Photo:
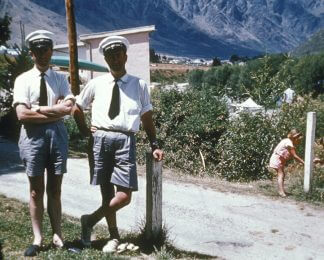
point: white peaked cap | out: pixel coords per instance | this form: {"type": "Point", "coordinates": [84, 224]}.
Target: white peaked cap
{"type": "Point", "coordinates": [112, 40]}
{"type": "Point", "coordinates": [38, 35]}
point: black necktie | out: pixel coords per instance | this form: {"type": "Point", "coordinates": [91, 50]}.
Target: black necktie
{"type": "Point", "coordinates": [114, 105]}
{"type": "Point", "coordinates": [43, 91]}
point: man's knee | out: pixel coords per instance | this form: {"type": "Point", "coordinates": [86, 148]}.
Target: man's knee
{"type": "Point", "coordinates": [37, 193]}
{"type": "Point", "coordinates": [53, 192]}
{"type": "Point", "coordinates": [124, 195]}
{"type": "Point", "coordinates": [127, 199]}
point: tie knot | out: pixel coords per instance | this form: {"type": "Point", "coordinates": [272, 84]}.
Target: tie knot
{"type": "Point", "coordinates": [42, 74]}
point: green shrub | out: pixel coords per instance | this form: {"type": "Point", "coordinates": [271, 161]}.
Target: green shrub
{"type": "Point", "coordinates": [189, 125]}
{"type": "Point", "coordinates": [245, 148]}
{"type": "Point", "coordinates": [195, 78]}
{"type": "Point", "coordinates": [77, 142]}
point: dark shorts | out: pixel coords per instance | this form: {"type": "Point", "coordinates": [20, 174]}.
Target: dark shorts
{"type": "Point", "coordinates": [44, 146]}
{"type": "Point", "coordinates": [115, 159]}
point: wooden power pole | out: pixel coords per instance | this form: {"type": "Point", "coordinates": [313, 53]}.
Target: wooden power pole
{"type": "Point", "coordinates": [72, 36]}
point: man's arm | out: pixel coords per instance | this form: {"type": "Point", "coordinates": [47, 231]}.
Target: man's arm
{"type": "Point", "coordinates": [26, 115]}
{"type": "Point", "coordinates": [62, 108]}
{"type": "Point", "coordinates": [147, 121]}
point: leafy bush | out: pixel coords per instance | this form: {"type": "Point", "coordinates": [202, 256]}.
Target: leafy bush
{"type": "Point", "coordinates": [189, 125]}
{"type": "Point", "coordinates": [9, 70]}
{"type": "Point", "coordinates": [77, 142]}
{"type": "Point", "coordinates": [195, 78]}
{"type": "Point", "coordinates": [308, 73]}
{"type": "Point", "coordinates": [245, 148]}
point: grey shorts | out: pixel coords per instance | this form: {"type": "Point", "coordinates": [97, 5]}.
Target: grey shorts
{"type": "Point", "coordinates": [44, 146]}
{"type": "Point", "coordinates": [115, 159]}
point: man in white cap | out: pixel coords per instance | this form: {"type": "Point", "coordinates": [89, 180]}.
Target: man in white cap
{"type": "Point", "coordinates": [41, 98]}
{"type": "Point", "coordinates": [119, 103]}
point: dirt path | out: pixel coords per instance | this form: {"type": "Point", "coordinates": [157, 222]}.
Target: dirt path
{"type": "Point", "coordinates": [217, 223]}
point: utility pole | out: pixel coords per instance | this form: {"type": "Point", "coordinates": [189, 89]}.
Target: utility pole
{"type": "Point", "coordinates": [22, 33]}
{"type": "Point", "coordinates": [71, 28]}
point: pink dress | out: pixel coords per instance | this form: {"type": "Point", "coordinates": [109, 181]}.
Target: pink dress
{"type": "Point", "coordinates": [281, 154]}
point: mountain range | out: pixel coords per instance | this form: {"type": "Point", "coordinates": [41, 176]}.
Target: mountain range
{"type": "Point", "coordinates": [314, 45]}
{"type": "Point", "coordinates": [190, 28]}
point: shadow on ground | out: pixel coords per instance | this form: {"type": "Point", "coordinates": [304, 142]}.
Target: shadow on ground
{"type": "Point", "coordinates": [10, 162]}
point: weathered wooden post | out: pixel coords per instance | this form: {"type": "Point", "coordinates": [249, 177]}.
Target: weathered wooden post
{"type": "Point", "coordinates": [309, 150]}
{"type": "Point", "coordinates": [153, 197]}
{"type": "Point", "coordinates": [71, 28]}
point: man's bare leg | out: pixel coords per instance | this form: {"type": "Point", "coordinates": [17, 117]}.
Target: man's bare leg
{"type": "Point", "coordinates": [110, 206]}
{"type": "Point", "coordinates": [36, 207]}
{"type": "Point", "coordinates": [54, 206]}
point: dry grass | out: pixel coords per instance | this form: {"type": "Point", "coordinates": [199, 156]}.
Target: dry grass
{"type": "Point", "coordinates": [16, 236]}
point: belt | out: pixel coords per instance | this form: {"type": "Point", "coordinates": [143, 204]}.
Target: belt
{"type": "Point", "coordinates": [114, 130]}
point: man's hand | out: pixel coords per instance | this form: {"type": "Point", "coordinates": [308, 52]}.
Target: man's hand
{"type": "Point", "coordinates": [158, 154]}
{"type": "Point", "coordinates": [60, 109]}
{"type": "Point", "coordinates": [93, 129]}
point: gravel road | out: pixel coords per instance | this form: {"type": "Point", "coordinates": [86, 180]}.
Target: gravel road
{"type": "Point", "coordinates": [220, 224]}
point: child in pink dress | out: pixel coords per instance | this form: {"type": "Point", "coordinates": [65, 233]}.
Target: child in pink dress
{"type": "Point", "coordinates": [284, 151]}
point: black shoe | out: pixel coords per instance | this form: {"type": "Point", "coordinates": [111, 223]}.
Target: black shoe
{"type": "Point", "coordinates": [32, 250]}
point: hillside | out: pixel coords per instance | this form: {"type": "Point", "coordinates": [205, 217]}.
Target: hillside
{"type": "Point", "coordinates": [191, 28]}
{"type": "Point", "coordinates": [314, 45]}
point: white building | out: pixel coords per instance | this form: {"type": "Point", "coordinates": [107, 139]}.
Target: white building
{"type": "Point", "coordinates": [138, 62]}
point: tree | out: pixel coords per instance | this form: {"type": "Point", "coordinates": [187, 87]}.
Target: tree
{"type": "Point", "coordinates": [235, 58]}
{"type": "Point", "coordinates": [216, 62]}
{"type": "Point", "coordinates": [155, 58]}
{"type": "Point", "coordinates": [4, 29]}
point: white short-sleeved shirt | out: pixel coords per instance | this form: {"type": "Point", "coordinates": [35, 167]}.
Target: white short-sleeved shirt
{"type": "Point", "coordinates": [27, 88]}
{"type": "Point", "coordinates": [134, 102]}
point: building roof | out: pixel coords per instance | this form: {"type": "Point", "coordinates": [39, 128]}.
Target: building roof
{"type": "Point", "coordinates": [148, 29]}
{"type": "Point", "coordinates": [66, 45]}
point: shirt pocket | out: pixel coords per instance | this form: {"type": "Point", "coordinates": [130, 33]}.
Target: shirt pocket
{"type": "Point", "coordinates": [132, 107]}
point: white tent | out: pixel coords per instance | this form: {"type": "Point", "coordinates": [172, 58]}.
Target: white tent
{"type": "Point", "coordinates": [249, 103]}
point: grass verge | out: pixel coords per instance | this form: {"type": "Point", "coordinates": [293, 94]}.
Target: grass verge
{"type": "Point", "coordinates": [16, 236]}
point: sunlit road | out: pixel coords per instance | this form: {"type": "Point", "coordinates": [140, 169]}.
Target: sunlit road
{"type": "Point", "coordinates": [227, 225]}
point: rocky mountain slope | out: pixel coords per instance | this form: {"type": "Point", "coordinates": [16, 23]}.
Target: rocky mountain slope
{"type": "Point", "coordinates": [314, 45]}
{"type": "Point", "coordinates": [204, 28]}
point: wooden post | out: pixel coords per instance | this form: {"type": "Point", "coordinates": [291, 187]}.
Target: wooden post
{"type": "Point", "coordinates": [153, 197]}
{"type": "Point", "coordinates": [74, 66]}
{"type": "Point", "coordinates": [309, 150]}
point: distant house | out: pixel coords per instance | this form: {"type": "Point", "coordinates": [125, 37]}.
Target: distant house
{"type": "Point", "coordinates": [138, 62]}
